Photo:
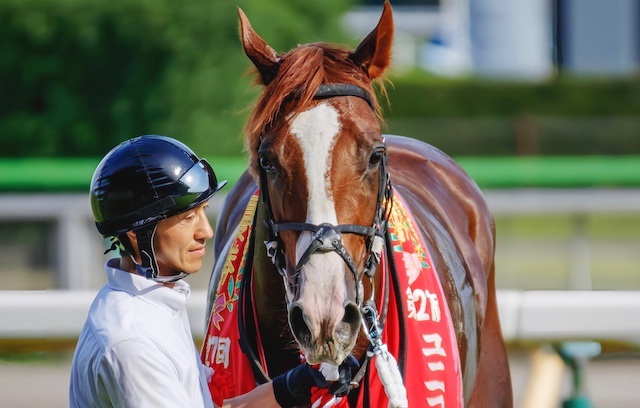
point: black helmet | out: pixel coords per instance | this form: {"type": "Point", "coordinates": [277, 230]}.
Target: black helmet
{"type": "Point", "coordinates": [144, 180]}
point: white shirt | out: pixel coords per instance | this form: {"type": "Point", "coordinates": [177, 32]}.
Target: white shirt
{"type": "Point", "coordinates": [136, 349]}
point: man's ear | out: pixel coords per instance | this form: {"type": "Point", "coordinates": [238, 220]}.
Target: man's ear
{"type": "Point", "coordinates": [133, 244]}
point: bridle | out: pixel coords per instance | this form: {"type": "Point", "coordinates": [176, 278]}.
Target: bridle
{"type": "Point", "coordinates": [327, 237]}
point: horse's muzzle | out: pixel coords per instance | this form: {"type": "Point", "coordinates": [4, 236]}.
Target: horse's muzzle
{"type": "Point", "coordinates": [325, 339]}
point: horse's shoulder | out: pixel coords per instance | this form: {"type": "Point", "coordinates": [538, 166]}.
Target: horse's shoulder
{"type": "Point", "coordinates": [413, 160]}
{"type": "Point", "coordinates": [233, 209]}
{"type": "Point", "coordinates": [438, 191]}
{"type": "Point", "coordinates": [411, 150]}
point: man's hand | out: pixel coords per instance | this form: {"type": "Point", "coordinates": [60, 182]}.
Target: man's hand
{"type": "Point", "coordinates": [342, 386]}
{"type": "Point", "coordinates": [294, 387]}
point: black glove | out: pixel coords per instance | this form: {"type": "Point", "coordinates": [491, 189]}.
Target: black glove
{"type": "Point", "coordinates": [293, 388]}
{"type": "Point", "coordinates": [342, 386]}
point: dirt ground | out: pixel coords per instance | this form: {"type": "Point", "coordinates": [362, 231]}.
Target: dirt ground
{"type": "Point", "coordinates": [611, 383]}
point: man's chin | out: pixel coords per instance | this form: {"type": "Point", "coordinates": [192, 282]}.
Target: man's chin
{"type": "Point", "coordinates": [192, 268]}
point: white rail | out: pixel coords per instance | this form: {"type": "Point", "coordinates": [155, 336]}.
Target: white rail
{"type": "Point", "coordinates": [529, 315]}
{"type": "Point", "coordinates": [77, 243]}
{"type": "Point", "coordinates": [524, 315]}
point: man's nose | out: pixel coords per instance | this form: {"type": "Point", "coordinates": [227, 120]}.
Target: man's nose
{"type": "Point", "coordinates": [204, 231]}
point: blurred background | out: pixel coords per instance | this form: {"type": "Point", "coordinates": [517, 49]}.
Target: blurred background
{"type": "Point", "coordinates": [539, 100]}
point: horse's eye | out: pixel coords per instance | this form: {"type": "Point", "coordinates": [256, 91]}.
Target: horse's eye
{"type": "Point", "coordinates": [266, 164]}
{"type": "Point", "coordinates": [375, 158]}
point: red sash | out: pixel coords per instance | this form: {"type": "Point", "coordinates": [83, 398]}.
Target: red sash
{"type": "Point", "coordinates": [232, 375]}
{"type": "Point", "coordinates": [432, 372]}
{"type": "Point", "coordinates": [432, 369]}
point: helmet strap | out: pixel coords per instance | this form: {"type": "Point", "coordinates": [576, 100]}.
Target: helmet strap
{"type": "Point", "coordinates": [148, 267]}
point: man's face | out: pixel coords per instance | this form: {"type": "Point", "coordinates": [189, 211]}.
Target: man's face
{"type": "Point", "coordinates": [180, 241]}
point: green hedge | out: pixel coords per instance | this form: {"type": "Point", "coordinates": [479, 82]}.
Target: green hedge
{"type": "Point", "coordinates": [79, 76]}
{"type": "Point", "coordinates": [563, 116]}
{"type": "Point", "coordinates": [421, 95]}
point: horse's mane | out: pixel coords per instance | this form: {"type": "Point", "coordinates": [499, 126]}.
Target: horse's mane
{"type": "Point", "coordinates": [302, 70]}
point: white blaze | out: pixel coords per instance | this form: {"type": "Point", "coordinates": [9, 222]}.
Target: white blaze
{"type": "Point", "coordinates": [322, 293]}
{"type": "Point", "coordinates": [316, 130]}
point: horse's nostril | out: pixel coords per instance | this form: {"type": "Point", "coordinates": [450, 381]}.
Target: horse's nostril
{"type": "Point", "coordinates": [298, 325]}
{"type": "Point", "coordinates": [347, 330]}
{"type": "Point", "coordinates": [351, 314]}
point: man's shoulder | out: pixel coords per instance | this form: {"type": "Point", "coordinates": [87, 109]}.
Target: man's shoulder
{"type": "Point", "coordinates": [114, 317]}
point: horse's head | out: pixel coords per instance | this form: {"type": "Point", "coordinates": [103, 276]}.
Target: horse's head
{"type": "Point", "coordinates": [319, 154]}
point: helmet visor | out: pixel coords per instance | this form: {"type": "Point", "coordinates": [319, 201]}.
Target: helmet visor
{"type": "Point", "coordinates": [195, 186]}
{"type": "Point", "coordinates": [199, 183]}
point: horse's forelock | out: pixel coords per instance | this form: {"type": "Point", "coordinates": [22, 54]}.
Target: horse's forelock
{"type": "Point", "coordinates": [302, 71]}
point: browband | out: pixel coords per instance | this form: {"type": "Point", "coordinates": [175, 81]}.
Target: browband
{"type": "Point", "coordinates": [331, 90]}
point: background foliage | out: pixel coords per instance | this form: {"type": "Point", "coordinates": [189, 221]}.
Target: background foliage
{"type": "Point", "coordinates": [79, 76]}
{"type": "Point", "coordinates": [561, 116]}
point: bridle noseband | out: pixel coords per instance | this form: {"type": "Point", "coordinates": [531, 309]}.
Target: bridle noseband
{"type": "Point", "coordinates": [327, 237]}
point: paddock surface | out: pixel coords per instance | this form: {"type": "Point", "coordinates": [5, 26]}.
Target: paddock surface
{"type": "Point", "coordinates": [611, 383]}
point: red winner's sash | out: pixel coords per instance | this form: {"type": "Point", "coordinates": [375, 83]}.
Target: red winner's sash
{"type": "Point", "coordinates": [432, 369]}
{"type": "Point", "coordinates": [232, 375]}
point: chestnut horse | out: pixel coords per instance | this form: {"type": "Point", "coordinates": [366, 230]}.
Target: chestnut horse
{"type": "Point", "coordinates": [325, 172]}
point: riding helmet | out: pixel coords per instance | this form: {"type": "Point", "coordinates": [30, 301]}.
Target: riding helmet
{"type": "Point", "coordinates": [146, 179]}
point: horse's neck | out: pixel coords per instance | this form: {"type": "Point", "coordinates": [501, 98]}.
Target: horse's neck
{"type": "Point", "coordinates": [269, 303]}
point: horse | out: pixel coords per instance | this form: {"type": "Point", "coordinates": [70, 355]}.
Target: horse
{"type": "Point", "coordinates": [323, 178]}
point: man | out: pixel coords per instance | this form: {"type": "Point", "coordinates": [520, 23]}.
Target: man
{"type": "Point", "coordinates": [149, 195]}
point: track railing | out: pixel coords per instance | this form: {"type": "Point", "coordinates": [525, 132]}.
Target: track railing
{"type": "Point", "coordinates": [532, 316]}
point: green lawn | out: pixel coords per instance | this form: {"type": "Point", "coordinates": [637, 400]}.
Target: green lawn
{"type": "Point", "coordinates": [74, 174]}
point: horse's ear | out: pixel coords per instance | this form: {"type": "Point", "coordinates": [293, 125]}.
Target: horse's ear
{"type": "Point", "coordinates": [374, 52]}
{"type": "Point", "coordinates": [259, 52]}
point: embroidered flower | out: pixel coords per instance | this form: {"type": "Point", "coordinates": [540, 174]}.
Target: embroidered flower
{"type": "Point", "coordinates": [218, 306]}
{"type": "Point", "coordinates": [413, 265]}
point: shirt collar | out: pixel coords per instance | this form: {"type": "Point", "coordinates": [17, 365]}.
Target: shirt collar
{"type": "Point", "coordinates": [169, 298]}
